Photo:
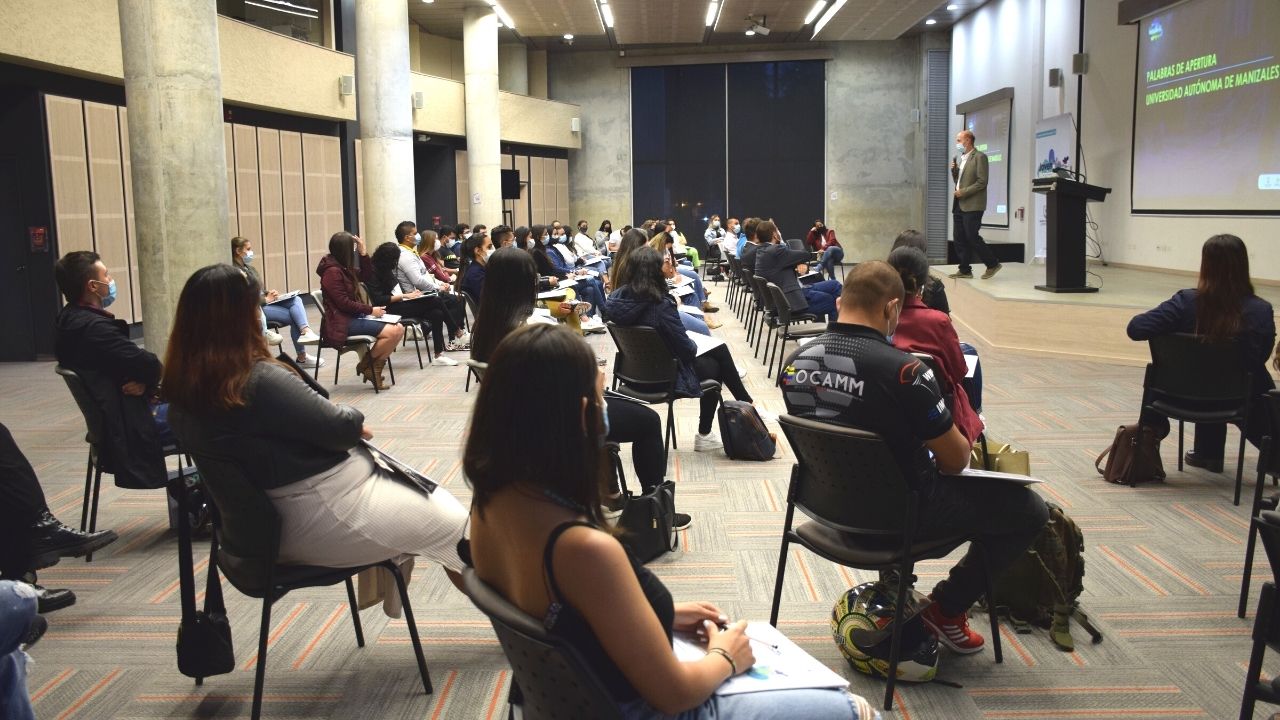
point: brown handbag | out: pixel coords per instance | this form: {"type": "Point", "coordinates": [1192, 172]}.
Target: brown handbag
{"type": "Point", "coordinates": [1134, 457]}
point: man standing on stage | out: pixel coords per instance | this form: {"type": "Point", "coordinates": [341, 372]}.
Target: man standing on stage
{"type": "Point", "coordinates": [970, 176]}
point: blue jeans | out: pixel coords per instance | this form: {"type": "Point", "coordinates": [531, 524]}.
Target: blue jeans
{"type": "Point", "coordinates": [290, 313]}
{"type": "Point", "coordinates": [810, 704]}
{"type": "Point", "coordinates": [693, 323]}
{"type": "Point", "coordinates": [698, 296]}
{"type": "Point", "coordinates": [17, 608]}
{"type": "Point", "coordinates": [821, 297]}
{"type": "Point", "coordinates": [830, 257]}
{"type": "Point", "coordinates": [590, 290]}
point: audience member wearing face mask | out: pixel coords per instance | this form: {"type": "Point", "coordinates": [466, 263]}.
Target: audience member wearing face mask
{"type": "Point", "coordinates": [346, 305]}
{"type": "Point", "coordinates": [290, 312]}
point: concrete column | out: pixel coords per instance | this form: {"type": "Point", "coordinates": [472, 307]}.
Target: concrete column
{"type": "Point", "coordinates": [173, 89]}
{"type": "Point", "coordinates": [384, 104]}
{"type": "Point", "coordinates": [513, 68]}
{"type": "Point", "coordinates": [480, 61]}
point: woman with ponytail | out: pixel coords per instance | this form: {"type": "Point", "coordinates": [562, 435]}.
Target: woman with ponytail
{"type": "Point", "coordinates": [924, 330]}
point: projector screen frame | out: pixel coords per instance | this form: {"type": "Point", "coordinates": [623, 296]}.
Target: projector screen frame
{"type": "Point", "coordinates": [1137, 13]}
{"type": "Point", "coordinates": [982, 102]}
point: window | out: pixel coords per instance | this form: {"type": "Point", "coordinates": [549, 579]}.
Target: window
{"type": "Point", "coordinates": [299, 19]}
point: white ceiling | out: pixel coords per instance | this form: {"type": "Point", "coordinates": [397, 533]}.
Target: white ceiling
{"type": "Point", "coordinates": [667, 22]}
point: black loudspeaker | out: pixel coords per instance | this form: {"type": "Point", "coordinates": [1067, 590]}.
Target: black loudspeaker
{"type": "Point", "coordinates": [510, 184]}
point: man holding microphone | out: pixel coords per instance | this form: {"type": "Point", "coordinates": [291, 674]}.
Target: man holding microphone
{"type": "Point", "coordinates": [969, 172]}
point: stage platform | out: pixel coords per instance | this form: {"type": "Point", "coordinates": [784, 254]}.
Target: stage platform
{"type": "Point", "coordinates": [1008, 312]}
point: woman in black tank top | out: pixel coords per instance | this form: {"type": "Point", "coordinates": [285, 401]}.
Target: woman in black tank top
{"type": "Point", "coordinates": [538, 537]}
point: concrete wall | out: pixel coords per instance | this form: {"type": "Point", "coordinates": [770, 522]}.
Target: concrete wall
{"type": "Point", "coordinates": [1005, 43]}
{"type": "Point", "coordinates": [600, 171]}
{"type": "Point", "coordinates": [439, 56]}
{"type": "Point", "coordinates": [874, 153]}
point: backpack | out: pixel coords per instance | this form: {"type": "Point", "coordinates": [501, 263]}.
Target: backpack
{"type": "Point", "coordinates": [1134, 457]}
{"type": "Point", "coordinates": [1043, 586]}
{"type": "Point", "coordinates": [647, 523]}
{"type": "Point", "coordinates": [743, 432]}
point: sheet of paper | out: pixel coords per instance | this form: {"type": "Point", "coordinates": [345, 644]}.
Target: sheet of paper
{"type": "Point", "coordinates": [681, 291]}
{"type": "Point", "coordinates": [284, 297]}
{"type": "Point", "coordinates": [690, 310]}
{"type": "Point", "coordinates": [387, 318]}
{"type": "Point", "coordinates": [705, 343]}
{"type": "Point", "coordinates": [1007, 477]}
{"type": "Point", "coordinates": [971, 362]}
{"type": "Point", "coordinates": [780, 663]}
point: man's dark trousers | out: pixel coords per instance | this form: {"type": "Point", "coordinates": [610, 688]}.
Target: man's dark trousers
{"type": "Point", "coordinates": [967, 239]}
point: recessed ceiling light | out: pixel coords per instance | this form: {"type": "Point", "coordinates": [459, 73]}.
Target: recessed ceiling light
{"type": "Point", "coordinates": [750, 32]}
{"type": "Point", "coordinates": [952, 7]}
{"type": "Point", "coordinates": [930, 21]}
{"type": "Point", "coordinates": [568, 36]}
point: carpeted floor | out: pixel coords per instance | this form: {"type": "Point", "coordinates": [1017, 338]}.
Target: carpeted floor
{"type": "Point", "coordinates": [1162, 575]}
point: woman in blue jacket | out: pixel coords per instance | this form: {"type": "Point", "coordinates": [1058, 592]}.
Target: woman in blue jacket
{"type": "Point", "coordinates": [1222, 306]}
{"type": "Point", "coordinates": [642, 299]}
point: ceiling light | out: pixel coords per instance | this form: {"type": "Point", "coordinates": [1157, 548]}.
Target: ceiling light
{"type": "Point", "coordinates": [712, 10]}
{"type": "Point", "coordinates": [606, 12]}
{"type": "Point", "coordinates": [428, 1]}
{"type": "Point", "coordinates": [503, 16]}
{"type": "Point", "coordinates": [568, 36]}
{"type": "Point", "coordinates": [818, 7]}
{"type": "Point", "coordinates": [281, 10]}
{"type": "Point", "coordinates": [750, 32]}
{"type": "Point", "coordinates": [952, 7]}
{"type": "Point", "coordinates": [826, 17]}
{"type": "Point", "coordinates": [930, 21]}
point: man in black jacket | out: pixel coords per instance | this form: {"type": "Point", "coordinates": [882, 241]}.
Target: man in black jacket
{"type": "Point", "coordinates": [31, 538]}
{"type": "Point", "coordinates": [121, 376]}
{"type": "Point", "coordinates": [782, 266]}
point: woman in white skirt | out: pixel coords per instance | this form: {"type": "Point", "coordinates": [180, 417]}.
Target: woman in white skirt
{"type": "Point", "coordinates": [337, 507]}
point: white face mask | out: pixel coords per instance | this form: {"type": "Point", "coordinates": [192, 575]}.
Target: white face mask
{"type": "Point", "coordinates": [489, 253]}
{"type": "Point", "coordinates": [417, 239]}
{"type": "Point", "coordinates": [437, 245]}
{"type": "Point", "coordinates": [960, 147]}
{"type": "Point", "coordinates": [466, 235]}
{"type": "Point", "coordinates": [248, 256]}
{"type": "Point", "coordinates": [715, 224]}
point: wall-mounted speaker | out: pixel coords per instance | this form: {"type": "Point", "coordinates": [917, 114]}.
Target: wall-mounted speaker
{"type": "Point", "coordinates": [419, 101]}
{"type": "Point", "coordinates": [510, 184]}
{"type": "Point", "coordinates": [1055, 77]}
{"type": "Point", "coordinates": [575, 124]}
{"type": "Point", "coordinates": [1080, 63]}
{"type": "Point", "coordinates": [347, 85]}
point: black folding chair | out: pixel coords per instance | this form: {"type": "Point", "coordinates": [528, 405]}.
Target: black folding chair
{"type": "Point", "coordinates": [476, 368]}
{"type": "Point", "coordinates": [550, 678]}
{"type": "Point", "coordinates": [645, 369]}
{"type": "Point", "coordinates": [354, 343]}
{"type": "Point", "coordinates": [1268, 464]}
{"type": "Point", "coordinates": [768, 316]}
{"type": "Point", "coordinates": [470, 310]}
{"type": "Point", "coordinates": [95, 433]}
{"type": "Point", "coordinates": [1191, 379]}
{"type": "Point", "coordinates": [783, 319]}
{"type": "Point", "coordinates": [864, 514]}
{"type": "Point", "coordinates": [1266, 628]}
{"type": "Point", "coordinates": [247, 529]}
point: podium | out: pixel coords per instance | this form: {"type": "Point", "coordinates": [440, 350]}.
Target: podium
{"type": "Point", "coordinates": [1065, 232]}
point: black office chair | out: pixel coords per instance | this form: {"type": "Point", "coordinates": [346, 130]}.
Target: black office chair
{"type": "Point", "coordinates": [796, 244]}
{"type": "Point", "coordinates": [1192, 380]}
{"type": "Point", "coordinates": [645, 368]}
{"type": "Point", "coordinates": [734, 292]}
{"type": "Point", "coordinates": [768, 316]}
{"type": "Point", "coordinates": [355, 343]}
{"type": "Point", "coordinates": [1266, 626]}
{"type": "Point", "coordinates": [416, 330]}
{"type": "Point", "coordinates": [247, 529]}
{"type": "Point", "coordinates": [470, 310]}
{"type": "Point", "coordinates": [550, 678]}
{"type": "Point", "coordinates": [95, 433]}
{"type": "Point", "coordinates": [476, 368]}
{"type": "Point", "coordinates": [864, 514]}
{"type": "Point", "coordinates": [783, 318]}
{"type": "Point", "coordinates": [1268, 464]}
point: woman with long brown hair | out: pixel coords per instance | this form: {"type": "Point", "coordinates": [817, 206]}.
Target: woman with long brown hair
{"type": "Point", "coordinates": [347, 310]}
{"type": "Point", "coordinates": [229, 397]}
{"type": "Point", "coordinates": [1222, 306]}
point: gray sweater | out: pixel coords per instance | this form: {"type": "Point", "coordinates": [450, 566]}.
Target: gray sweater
{"type": "Point", "coordinates": [284, 433]}
{"type": "Point", "coordinates": [411, 273]}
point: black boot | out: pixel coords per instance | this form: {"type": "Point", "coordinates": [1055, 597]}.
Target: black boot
{"type": "Point", "coordinates": [1194, 459]}
{"type": "Point", "coordinates": [50, 540]}
{"type": "Point", "coordinates": [49, 599]}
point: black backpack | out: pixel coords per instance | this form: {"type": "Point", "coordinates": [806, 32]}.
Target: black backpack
{"type": "Point", "coordinates": [743, 432]}
{"type": "Point", "coordinates": [1043, 586]}
{"type": "Point", "coordinates": [648, 523]}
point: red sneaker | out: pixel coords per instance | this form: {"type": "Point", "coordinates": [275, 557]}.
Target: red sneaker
{"type": "Point", "coordinates": [952, 631]}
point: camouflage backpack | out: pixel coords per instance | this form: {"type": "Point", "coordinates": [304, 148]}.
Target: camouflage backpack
{"type": "Point", "coordinates": [1043, 586]}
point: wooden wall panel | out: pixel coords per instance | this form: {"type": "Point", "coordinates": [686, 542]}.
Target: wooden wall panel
{"type": "Point", "coordinates": [233, 219]}
{"type": "Point", "coordinates": [129, 227]}
{"type": "Point", "coordinates": [248, 195]}
{"type": "Point", "coordinates": [521, 215]}
{"type": "Point", "coordinates": [562, 193]}
{"type": "Point", "coordinates": [464, 186]}
{"type": "Point", "coordinates": [73, 219]}
{"type": "Point", "coordinates": [313, 183]}
{"type": "Point", "coordinates": [271, 245]}
{"type": "Point", "coordinates": [106, 192]}
{"type": "Point", "coordinates": [334, 218]}
{"type": "Point", "coordinates": [537, 208]}
{"type": "Point", "coordinates": [298, 269]}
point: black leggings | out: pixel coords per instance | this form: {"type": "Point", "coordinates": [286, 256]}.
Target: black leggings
{"type": "Point", "coordinates": [634, 423]}
{"type": "Point", "coordinates": [718, 365]}
{"type": "Point", "coordinates": [435, 311]}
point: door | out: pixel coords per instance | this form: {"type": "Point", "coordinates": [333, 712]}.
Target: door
{"type": "Point", "coordinates": [18, 338]}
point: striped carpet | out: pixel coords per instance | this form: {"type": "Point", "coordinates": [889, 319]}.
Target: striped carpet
{"type": "Point", "coordinates": [1162, 576]}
